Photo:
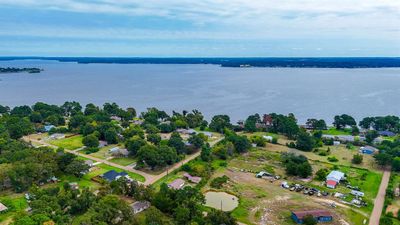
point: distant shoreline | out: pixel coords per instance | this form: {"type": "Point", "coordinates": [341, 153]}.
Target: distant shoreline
{"type": "Point", "coordinates": [307, 62]}
{"type": "Point", "coordinates": [19, 70]}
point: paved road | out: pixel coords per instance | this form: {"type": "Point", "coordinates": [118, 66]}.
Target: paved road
{"type": "Point", "coordinates": [380, 199]}
{"type": "Point", "coordinates": [149, 178]}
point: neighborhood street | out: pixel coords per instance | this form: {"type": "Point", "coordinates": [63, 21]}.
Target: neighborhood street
{"type": "Point", "coordinates": [380, 199]}
{"type": "Point", "coordinates": [149, 178]}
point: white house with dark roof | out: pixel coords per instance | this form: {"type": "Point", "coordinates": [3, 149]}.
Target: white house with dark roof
{"type": "Point", "coordinates": [140, 206]}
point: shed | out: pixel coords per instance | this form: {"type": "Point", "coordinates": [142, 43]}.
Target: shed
{"type": "Point", "coordinates": [3, 207]}
{"type": "Point", "coordinates": [334, 178]}
{"type": "Point", "coordinates": [331, 183]}
{"type": "Point", "coordinates": [319, 214]}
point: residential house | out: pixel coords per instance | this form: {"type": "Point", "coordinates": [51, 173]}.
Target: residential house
{"type": "Point", "coordinates": [119, 152]}
{"type": "Point", "coordinates": [103, 144]}
{"type": "Point", "coordinates": [334, 178]}
{"type": "Point", "coordinates": [74, 185]}
{"type": "Point", "coordinates": [267, 120]}
{"type": "Point", "coordinates": [319, 215]}
{"type": "Point", "coordinates": [89, 162]}
{"type": "Point", "coordinates": [386, 133]}
{"type": "Point", "coordinates": [116, 118]}
{"type": "Point", "coordinates": [3, 208]}
{"type": "Point", "coordinates": [177, 184]}
{"type": "Point", "coordinates": [192, 179]}
{"type": "Point", "coordinates": [140, 206]}
{"type": "Point", "coordinates": [57, 136]}
{"type": "Point", "coordinates": [342, 138]}
{"type": "Point", "coordinates": [114, 175]}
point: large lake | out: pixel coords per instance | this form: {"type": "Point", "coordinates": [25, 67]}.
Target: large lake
{"type": "Point", "coordinates": [238, 92]}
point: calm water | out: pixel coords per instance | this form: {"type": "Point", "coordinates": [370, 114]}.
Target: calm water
{"type": "Point", "coordinates": [221, 200]}
{"type": "Point", "coordinates": [238, 92]}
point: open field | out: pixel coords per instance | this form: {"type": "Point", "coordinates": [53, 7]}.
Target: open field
{"type": "Point", "coordinates": [123, 161]}
{"type": "Point", "coordinates": [16, 203]}
{"type": "Point", "coordinates": [103, 152]}
{"type": "Point", "coordinates": [340, 152]}
{"type": "Point", "coordinates": [70, 143]}
{"type": "Point", "coordinates": [263, 202]}
{"type": "Point", "coordinates": [334, 131]}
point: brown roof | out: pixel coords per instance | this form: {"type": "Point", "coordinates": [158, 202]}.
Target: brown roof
{"type": "Point", "coordinates": [193, 179]}
{"type": "Point", "coordinates": [314, 213]}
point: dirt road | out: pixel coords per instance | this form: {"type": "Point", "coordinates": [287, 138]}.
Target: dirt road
{"type": "Point", "coordinates": [380, 199]}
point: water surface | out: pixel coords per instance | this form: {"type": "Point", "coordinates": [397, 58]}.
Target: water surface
{"type": "Point", "coordinates": [238, 92]}
{"type": "Point", "coordinates": [221, 200]}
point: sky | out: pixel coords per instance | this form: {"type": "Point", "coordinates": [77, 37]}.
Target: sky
{"type": "Point", "coordinates": [200, 28]}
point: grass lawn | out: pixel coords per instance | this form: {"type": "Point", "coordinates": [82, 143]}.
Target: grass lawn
{"type": "Point", "coordinates": [103, 153]}
{"type": "Point", "coordinates": [70, 143]}
{"type": "Point", "coordinates": [123, 161]}
{"type": "Point", "coordinates": [15, 202]}
{"type": "Point", "coordinates": [334, 131]}
{"type": "Point", "coordinates": [167, 179]}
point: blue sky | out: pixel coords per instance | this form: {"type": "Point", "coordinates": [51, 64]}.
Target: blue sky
{"type": "Point", "coordinates": [196, 28]}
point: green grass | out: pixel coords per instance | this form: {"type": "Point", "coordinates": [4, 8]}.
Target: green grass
{"type": "Point", "coordinates": [68, 143]}
{"type": "Point", "coordinates": [16, 204]}
{"type": "Point", "coordinates": [103, 153]}
{"type": "Point", "coordinates": [334, 131]}
{"type": "Point", "coordinates": [167, 179]}
{"type": "Point", "coordinates": [124, 161]}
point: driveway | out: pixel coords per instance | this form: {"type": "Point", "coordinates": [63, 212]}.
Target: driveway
{"type": "Point", "coordinates": [380, 199]}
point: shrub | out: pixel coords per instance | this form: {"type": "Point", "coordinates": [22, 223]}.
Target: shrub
{"type": "Point", "coordinates": [332, 159]}
{"type": "Point", "coordinates": [219, 181]}
{"type": "Point", "coordinates": [91, 150]}
{"type": "Point", "coordinates": [357, 159]}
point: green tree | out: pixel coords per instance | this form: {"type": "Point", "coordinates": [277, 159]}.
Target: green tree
{"type": "Point", "coordinates": [396, 164]}
{"type": "Point", "coordinates": [176, 142]}
{"type": "Point", "coordinates": [357, 159]}
{"type": "Point", "coordinates": [370, 136]}
{"type": "Point", "coordinates": [133, 144]}
{"type": "Point", "coordinates": [305, 141]}
{"type": "Point", "coordinates": [91, 141]}
{"type": "Point", "coordinates": [196, 141]}
{"type": "Point", "coordinates": [154, 138]}
{"type": "Point", "coordinates": [321, 174]}
{"type": "Point", "coordinates": [219, 123]}
{"type": "Point", "coordinates": [77, 168]}
{"type": "Point", "coordinates": [309, 220]}
{"type": "Point", "coordinates": [218, 217]}
{"type": "Point", "coordinates": [111, 136]}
